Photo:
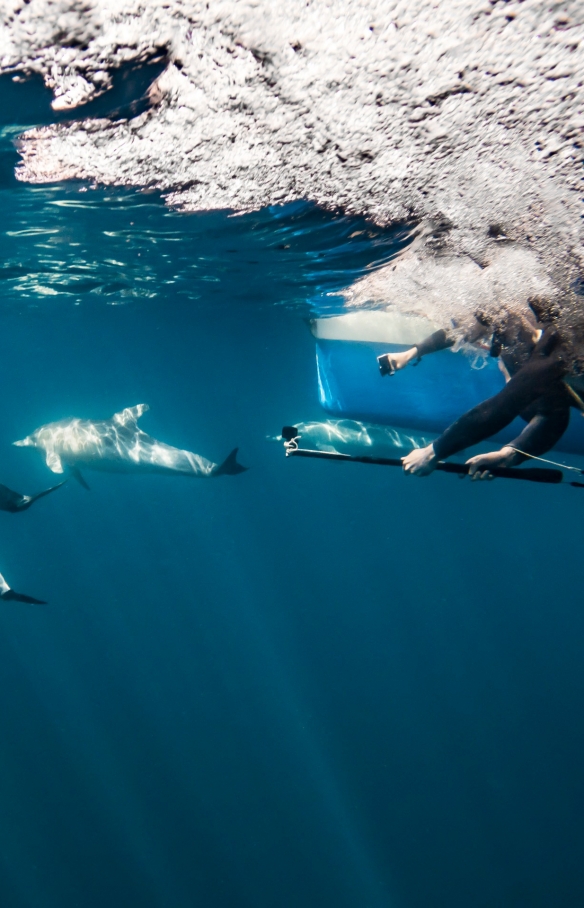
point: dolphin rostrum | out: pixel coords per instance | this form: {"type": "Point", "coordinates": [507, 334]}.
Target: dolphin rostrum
{"type": "Point", "coordinates": [8, 594]}
{"type": "Point", "coordinates": [14, 501]}
{"type": "Point", "coordinates": [117, 445]}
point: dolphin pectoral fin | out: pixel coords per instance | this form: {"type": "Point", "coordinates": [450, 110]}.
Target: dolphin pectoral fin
{"type": "Point", "coordinates": [13, 596]}
{"type": "Point", "coordinates": [54, 462]}
{"type": "Point", "coordinates": [76, 474]}
{"type": "Point", "coordinates": [229, 467]}
{"type": "Point", "coordinates": [130, 414]}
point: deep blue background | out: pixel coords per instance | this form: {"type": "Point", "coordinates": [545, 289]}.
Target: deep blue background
{"type": "Point", "coordinates": [312, 684]}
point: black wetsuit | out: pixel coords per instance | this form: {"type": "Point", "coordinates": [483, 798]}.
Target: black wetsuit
{"type": "Point", "coordinates": [535, 391]}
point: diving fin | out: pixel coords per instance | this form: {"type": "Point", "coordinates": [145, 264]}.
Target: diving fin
{"type": "Point", "coordinates": [76, 473]}
{"type": "Point", "coordinates": [13, 596]}
{"type": "Point", "coordinates": [230, 466]}
{"type": "Point", "coordinates": [27, 500]}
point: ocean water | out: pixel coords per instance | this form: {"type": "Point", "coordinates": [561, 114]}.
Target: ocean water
{"type": "Point", "coordinates": [313, 684]}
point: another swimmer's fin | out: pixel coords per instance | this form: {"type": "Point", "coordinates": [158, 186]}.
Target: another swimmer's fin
{"type": "Point", "coordinates": [27, 500]}
{"type": "Point", "coordinates": [230, 466]}
{"type": "Point", "coordinates": [13, 596]}
{"type": "Point", "coordinates": [76, 473]}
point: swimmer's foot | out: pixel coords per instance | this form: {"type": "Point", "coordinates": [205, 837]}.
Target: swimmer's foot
{"type": "Point", "coordinates": [420, 461]}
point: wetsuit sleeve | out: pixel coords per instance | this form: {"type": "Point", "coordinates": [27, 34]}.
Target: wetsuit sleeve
{"type": "Point", "coordinates": [537, 378]}
{"type": "Point", "coordinates": [541, 433]}
{"type": "Point", "coordinates": [440, 340]}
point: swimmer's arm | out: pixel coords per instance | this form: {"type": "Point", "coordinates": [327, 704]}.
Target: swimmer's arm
{"type": "Point", "coordinates": [541, 434]}
{"type": "Point", "coordinates": [393, 362]}
{"type": "Point", "coordinates": [439, 340]}
{"type": "Point", "coordinates": [533, 381]}
{"type": "Point", "coordinates": [442, 340]}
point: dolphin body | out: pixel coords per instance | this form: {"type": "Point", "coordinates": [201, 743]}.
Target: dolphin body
{"type": "Point", "coordinates": [8, 594]}
{"type": "Point", "coordinates": [118, 445]}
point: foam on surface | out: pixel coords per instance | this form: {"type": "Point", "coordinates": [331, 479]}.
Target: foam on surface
{"type": "Point", "coordinates": [465, 115]}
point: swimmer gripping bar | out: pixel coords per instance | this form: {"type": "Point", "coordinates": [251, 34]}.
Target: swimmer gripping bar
{"type": "Point", "coordinates": [531, 474]}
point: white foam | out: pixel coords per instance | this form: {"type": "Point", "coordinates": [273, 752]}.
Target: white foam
{"type": "Point", "coordinates": [463, 112]}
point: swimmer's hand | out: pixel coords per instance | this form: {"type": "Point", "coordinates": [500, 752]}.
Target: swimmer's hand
{"type": "Point", "coordinates": [479, 466]}
{"type": "Point", "coordinates": [390, 363]}
{"type": "Point", "coordinates": [420, 461]}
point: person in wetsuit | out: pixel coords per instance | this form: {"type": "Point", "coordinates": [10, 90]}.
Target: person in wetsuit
{"type": "Point", "coordinates": [535, 391]}
{"type": "Point", "coordinates": [512, 338]}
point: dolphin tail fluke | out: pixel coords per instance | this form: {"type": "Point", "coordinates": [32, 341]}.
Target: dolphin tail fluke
{"type": "Point", "coordinates": [77, 474]}
{"type": "Point", "coordinates": [13, 596]}
{"type": "Point", "coordinates": [230, 466]}
{"type": "Point", "coordinates": [42, 494]}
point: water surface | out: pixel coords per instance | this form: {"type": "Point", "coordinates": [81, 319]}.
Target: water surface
{"type": "Point", "coordinates": [312, 684]}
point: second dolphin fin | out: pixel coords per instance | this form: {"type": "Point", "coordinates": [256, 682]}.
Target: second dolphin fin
{"type": "Point", "coordinates": [230, 466]}
{"type": "Point", "coordinates": [76, 474]}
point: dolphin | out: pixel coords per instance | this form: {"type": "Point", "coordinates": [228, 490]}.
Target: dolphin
{"type": "Point", "coordinates": [118, 445]}
{"type": "Point", "coordinates": [14, 501]}
{"type": "Point", "coordinates": [8, 594]}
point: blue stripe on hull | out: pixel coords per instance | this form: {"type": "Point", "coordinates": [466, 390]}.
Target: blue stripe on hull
{"type": "Point", "coordinates": [428, 397]}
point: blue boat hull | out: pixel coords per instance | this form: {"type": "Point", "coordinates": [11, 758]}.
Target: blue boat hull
{"type": "Point", "coordinates": [427, 397]}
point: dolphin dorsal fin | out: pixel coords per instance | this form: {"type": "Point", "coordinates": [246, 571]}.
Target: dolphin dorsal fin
{"type": "Point", "coordinates": [130, 414]}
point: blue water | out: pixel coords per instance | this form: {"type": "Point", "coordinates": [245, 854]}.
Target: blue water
{"type": "Point", "coordinates": [313, 684]}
